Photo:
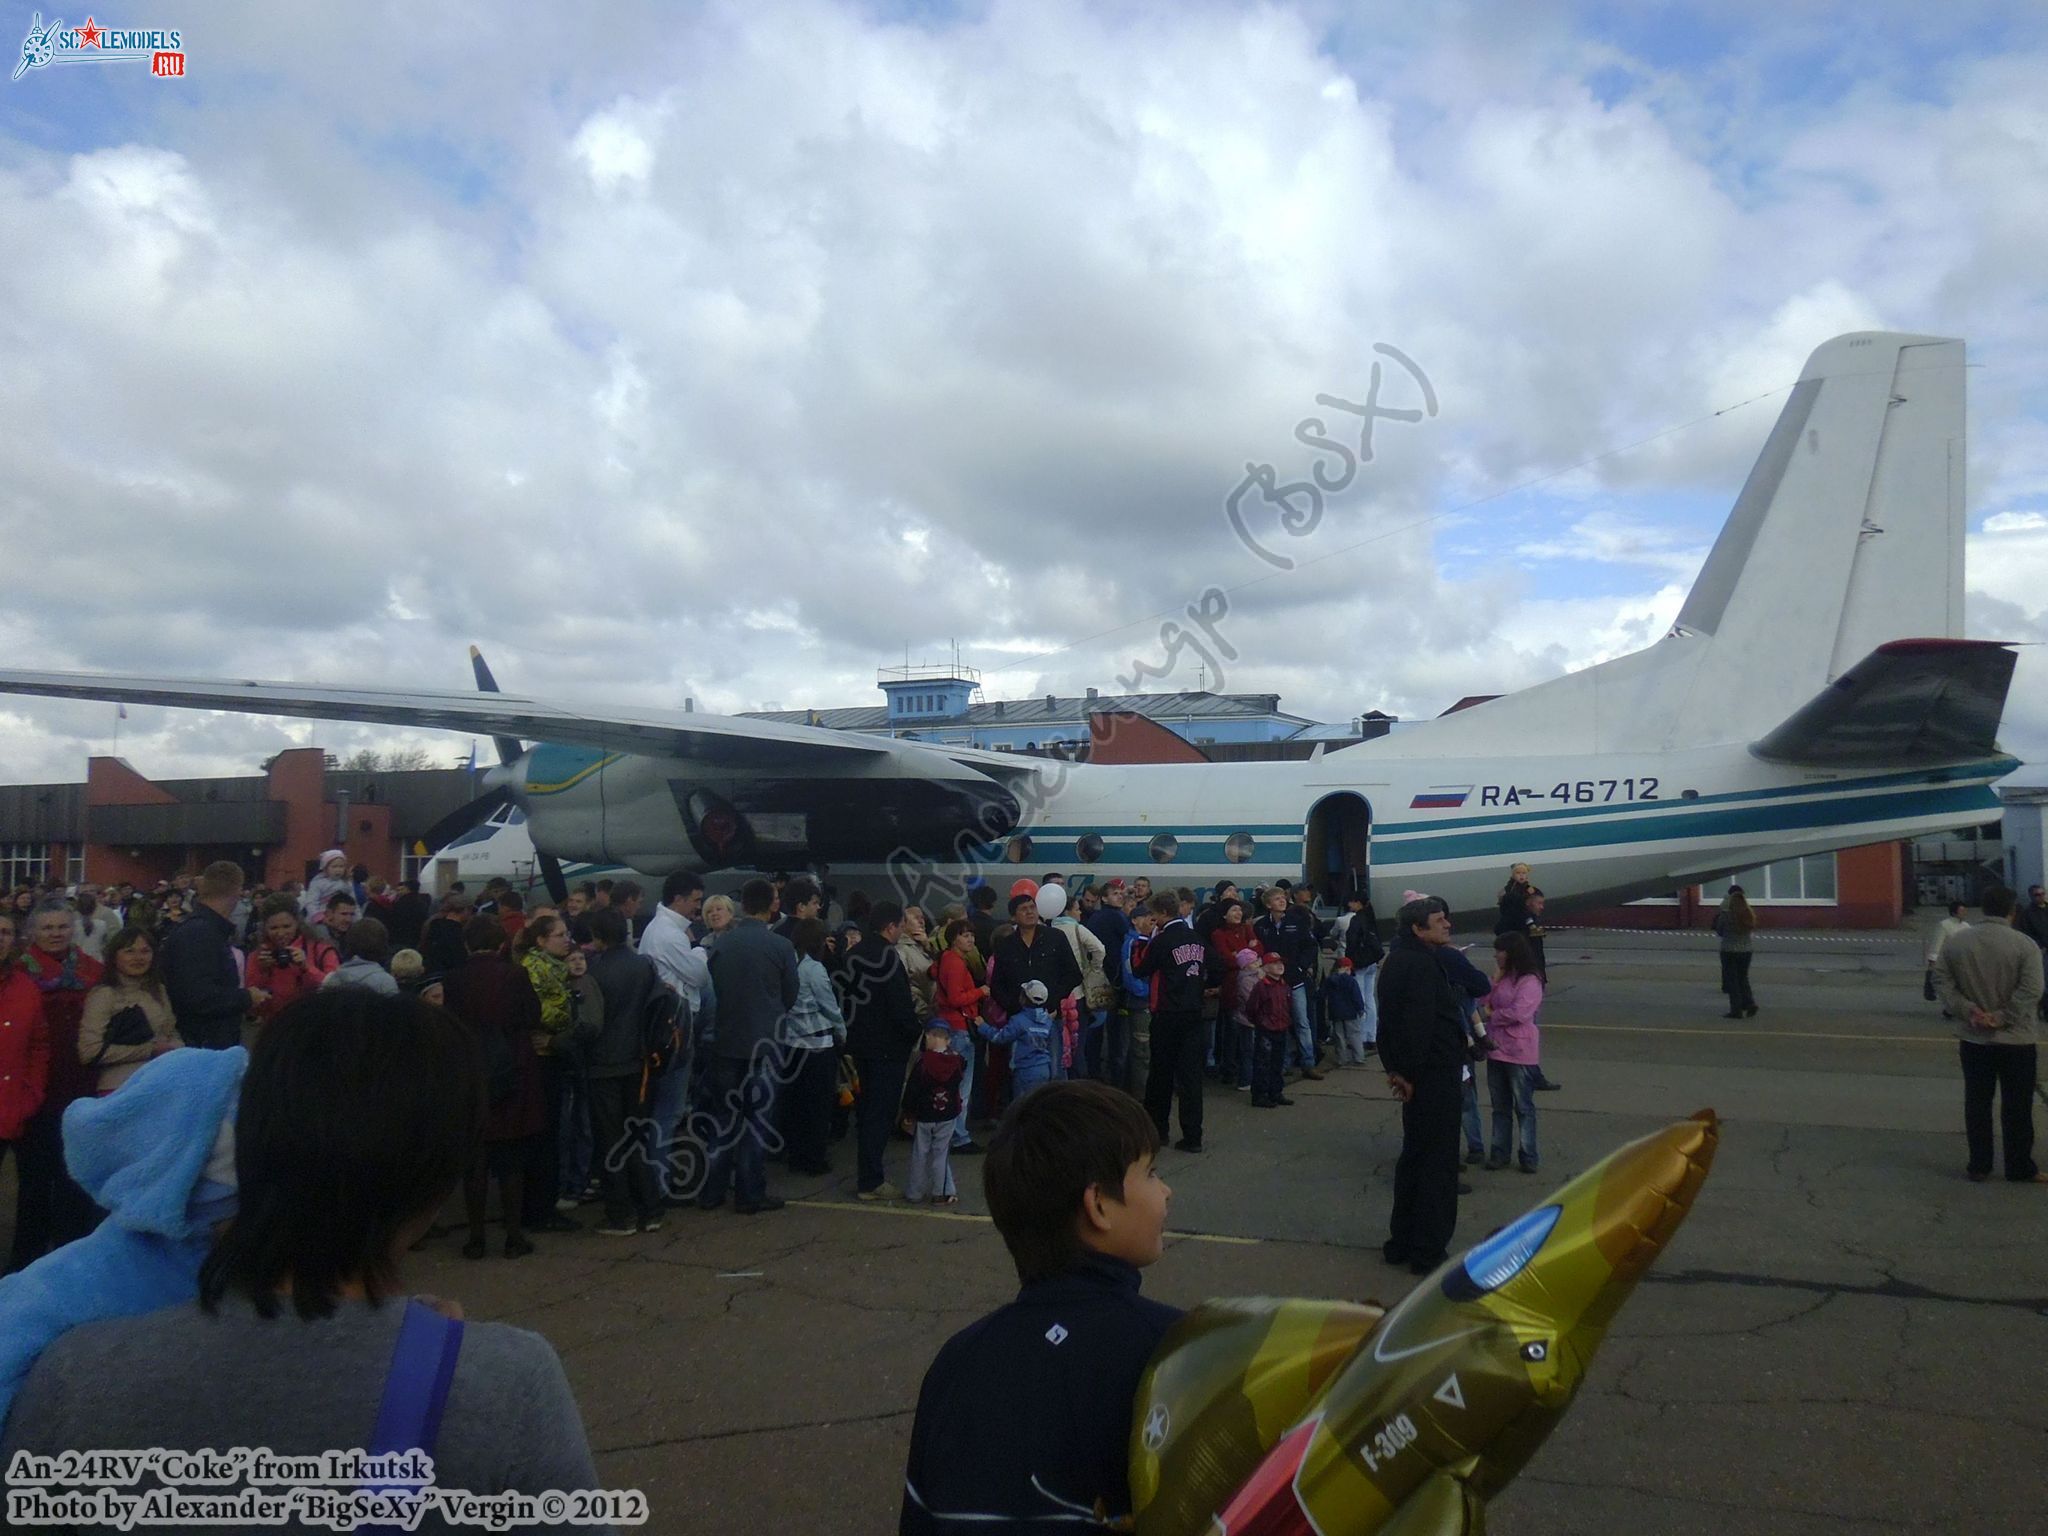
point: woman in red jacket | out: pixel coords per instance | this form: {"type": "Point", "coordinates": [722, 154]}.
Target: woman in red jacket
{"type": "Point", "coordinates": [286, 961]}
{"type": "Point", "coordinates": [1232, 1042]}
{"type": "Point", "coordinates": [24, 1071]}
{"type": "Point", "coordinates": [956, 1003]}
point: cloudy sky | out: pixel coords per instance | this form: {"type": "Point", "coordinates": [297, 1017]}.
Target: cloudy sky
{"type": "Point", "coordinates": [730, 353]}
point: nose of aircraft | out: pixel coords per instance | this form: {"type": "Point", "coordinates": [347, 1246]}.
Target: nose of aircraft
{"type": "Point", "coordinates": [1565, 1268]}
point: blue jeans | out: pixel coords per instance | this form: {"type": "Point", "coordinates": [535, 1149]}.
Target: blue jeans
{"type": "Point", "coordinates": [1470, 1095]}
{"type": "Point", "coordinates": [668, 1096]}
{"type": "Point", "coordinates": [1368, 983]}
{"type": "Point", "coordinates": [1304, 1032]}
{"type": "Point", "coordinates": [1512, 1091]}
{"type": "Point", "coordinates": [963, 1047]}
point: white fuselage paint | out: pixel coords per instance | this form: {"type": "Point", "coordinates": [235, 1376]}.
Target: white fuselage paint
{"type": "Point", "coordinates": [1595, 827]}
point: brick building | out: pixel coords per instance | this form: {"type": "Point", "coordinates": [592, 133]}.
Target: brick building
{"type": "Point", "coordinates": [119, 825]}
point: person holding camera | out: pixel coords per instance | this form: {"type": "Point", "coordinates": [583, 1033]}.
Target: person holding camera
{"type": "Point", "coordinates": [127, 1019]}
{"type": "Point", "coordinates": [287, 961]}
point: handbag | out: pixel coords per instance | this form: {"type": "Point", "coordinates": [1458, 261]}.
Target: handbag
{"type": "Point", "coordinates": [128, 1026]}
{"type": "Point", "coordinates": [1927, 985]}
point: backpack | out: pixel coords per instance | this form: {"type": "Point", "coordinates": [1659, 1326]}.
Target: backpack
{"type": "Point", "coordinates": [1136, 988]}
{"type": "Point", "coordinates": [664, 1031]}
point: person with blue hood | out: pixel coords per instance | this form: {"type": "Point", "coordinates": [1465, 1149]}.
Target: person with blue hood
{"type": "Point", "coordinates": [159, 1157]}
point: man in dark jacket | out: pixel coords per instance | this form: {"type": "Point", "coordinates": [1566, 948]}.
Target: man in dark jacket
{"type": "Point", "coordinates": [1422, 1046]}
{"type": "Point", "coordinates": [881, 1029]}
{"type": "Point", "coordinates": [1034, 952]}
{"type": "Point", "coordinates": [753, 976]}
{"type": "Point", "coordinates": [614, 1068]}
{"type": "Point", "coordinates": [1289, 932]}
{"type": "Point", "coordinates": [1179, 958]}
{"type": "Point", "coordinates": [207, 995]}
{"type": "Point", "coordinates": [407, 919]}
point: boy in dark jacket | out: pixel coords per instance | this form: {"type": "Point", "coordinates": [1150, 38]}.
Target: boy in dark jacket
{"type": "Point", "coordinates": [1073, 1190]}
{"type": "Point", "coordinates": [932, 1101]}
{"type": "Point", "coordinates": [1271, 1015]}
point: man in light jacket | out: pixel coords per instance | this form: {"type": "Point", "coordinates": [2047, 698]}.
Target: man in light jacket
{"type": "Point", "coordinates": [1989, 981]}
{"type": "Point", "coordinates": [680, 962]}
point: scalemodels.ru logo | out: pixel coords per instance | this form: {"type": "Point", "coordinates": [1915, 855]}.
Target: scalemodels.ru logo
{"type": "Point", "coordinates": [163, 50]}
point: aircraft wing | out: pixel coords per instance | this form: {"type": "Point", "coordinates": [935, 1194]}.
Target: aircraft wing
{"type": "Point", "coordinates": [705, 738]}
{"type": "Point", "coordinates": [1908, 704]}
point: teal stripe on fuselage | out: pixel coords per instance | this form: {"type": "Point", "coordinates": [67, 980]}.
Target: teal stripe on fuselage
{"type": "Point", "coordinates": [1817, 816]}
{"type": "Point", "coordinates": [1994, 768]}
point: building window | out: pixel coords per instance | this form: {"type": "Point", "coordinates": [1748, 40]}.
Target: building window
{"type": "Point", "coordinates": [24, 864]}
{"type": "Point", "coordinates": [1088, 849]}
{"type": "Point", "coordinates": [1239, 847]}
{"type": "Point", "coordinates": [1803, 882]}
{"type": "Point", "coordinates": [74, 868]}
{"type": "Point", "coordinates": [1018, 850]}
{"type": "Point", "coordinates": [1164, 848]}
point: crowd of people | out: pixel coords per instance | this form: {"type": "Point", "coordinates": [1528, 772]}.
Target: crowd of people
{"type": "Point", "coordinates": [641, 1056]}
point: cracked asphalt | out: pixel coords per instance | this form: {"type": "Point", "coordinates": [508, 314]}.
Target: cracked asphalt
{"type": "Point", "coordinates": [1845, 1336]}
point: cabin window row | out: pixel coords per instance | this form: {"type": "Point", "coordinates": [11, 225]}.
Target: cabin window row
{"type": "Point", "coordinates": [1238, 848]}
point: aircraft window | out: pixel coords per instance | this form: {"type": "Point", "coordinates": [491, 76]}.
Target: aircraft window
{"type": "Point", "coordinates": [1239, 847]}
{"type": "Point", "coordinates": [1164, 848]}
{"type": "Point", "coordinates": [1088, 849]}
{"type": "Point", "coordinates": [1019, 850]}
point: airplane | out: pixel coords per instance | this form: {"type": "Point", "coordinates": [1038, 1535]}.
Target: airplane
{"type": "Point", "coordinates": [1815, 693]}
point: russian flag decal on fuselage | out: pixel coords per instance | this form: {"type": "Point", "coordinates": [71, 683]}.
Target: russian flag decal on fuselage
{"type": "Point", "coordinates": [1441, 797]}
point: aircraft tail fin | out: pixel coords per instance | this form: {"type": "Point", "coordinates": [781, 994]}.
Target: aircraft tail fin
{"type": "Point", "coordinates": [1847, 534]}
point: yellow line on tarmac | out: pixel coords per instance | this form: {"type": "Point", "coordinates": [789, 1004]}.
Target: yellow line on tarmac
{"type": "Point", "coordinates": [899, 1208]}
{"type": "Point", "coordinates": [1757, 1034]}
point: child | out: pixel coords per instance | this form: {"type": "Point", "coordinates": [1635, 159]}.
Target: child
{"type": "Point", "coordinates": [1033, 1036]}
{"type": "Point", "coordinates": [1271, 1010]}
{"type": "Point", "coordinates": [1514, 1002]}
{"type": "Point", "coordinates": [1073, 1190]}
{"type": "Point", "coordinates": [1344, 1004]}
{"type": "Point", "coordinates": [932, 1101]}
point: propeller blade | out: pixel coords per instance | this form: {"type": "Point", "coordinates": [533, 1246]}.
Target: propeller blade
{"type": "Point", "coordinates": [551, 874]}
{"type": "Point", "coordinates": [462, 818]}
{"type": "Point", "coordinates": [509, 747]}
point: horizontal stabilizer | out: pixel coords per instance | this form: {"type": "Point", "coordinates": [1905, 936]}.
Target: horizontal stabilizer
{"type": "Point", "coordinates": [1908, 704]}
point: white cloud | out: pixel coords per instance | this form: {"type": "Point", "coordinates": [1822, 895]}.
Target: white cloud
{"type": "Point", "coordinates": [752, 363]}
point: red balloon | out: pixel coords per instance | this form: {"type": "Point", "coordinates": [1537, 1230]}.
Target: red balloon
{"type": "Point", "coordinates": [1024, 888]}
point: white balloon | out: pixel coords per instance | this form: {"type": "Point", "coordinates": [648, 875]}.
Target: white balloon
{"type": "Point", "coordinates": [1052, 901]}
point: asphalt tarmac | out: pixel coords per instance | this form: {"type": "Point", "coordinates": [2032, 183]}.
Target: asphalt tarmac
{"type": "Point", "coordinates": [1846, 1335]}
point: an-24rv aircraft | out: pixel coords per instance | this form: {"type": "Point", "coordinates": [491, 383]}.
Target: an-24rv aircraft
{"type": "Point", "coordinates": [1814, 694]}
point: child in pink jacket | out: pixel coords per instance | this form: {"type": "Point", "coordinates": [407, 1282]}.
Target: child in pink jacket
{"type": "Point", "coordinates": [1512, 1006]}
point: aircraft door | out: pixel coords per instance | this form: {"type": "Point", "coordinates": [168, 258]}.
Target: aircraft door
{"type": "Point", "coordinates": [1336, 847]}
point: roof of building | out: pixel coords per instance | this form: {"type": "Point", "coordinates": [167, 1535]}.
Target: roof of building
{"type": "Point", "coordinates": [1050, 709]}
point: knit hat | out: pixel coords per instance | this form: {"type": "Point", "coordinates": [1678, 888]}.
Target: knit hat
{"type": "Point", "coordinates": [1034, 993]}
{"type": "Point", "coordinates": [1247, 959]}
{"type": "Point", "coordinates": [331, 855]}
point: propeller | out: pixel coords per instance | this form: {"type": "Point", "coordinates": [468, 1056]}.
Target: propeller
{"type": "Point", "coordinates": [510, 749]}
{"type": "Point", "coordinates": [494, 799]}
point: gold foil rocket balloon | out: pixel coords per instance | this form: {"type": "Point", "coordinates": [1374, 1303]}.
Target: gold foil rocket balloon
{"type": "Point", "coordinates": [1303, 1418]}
